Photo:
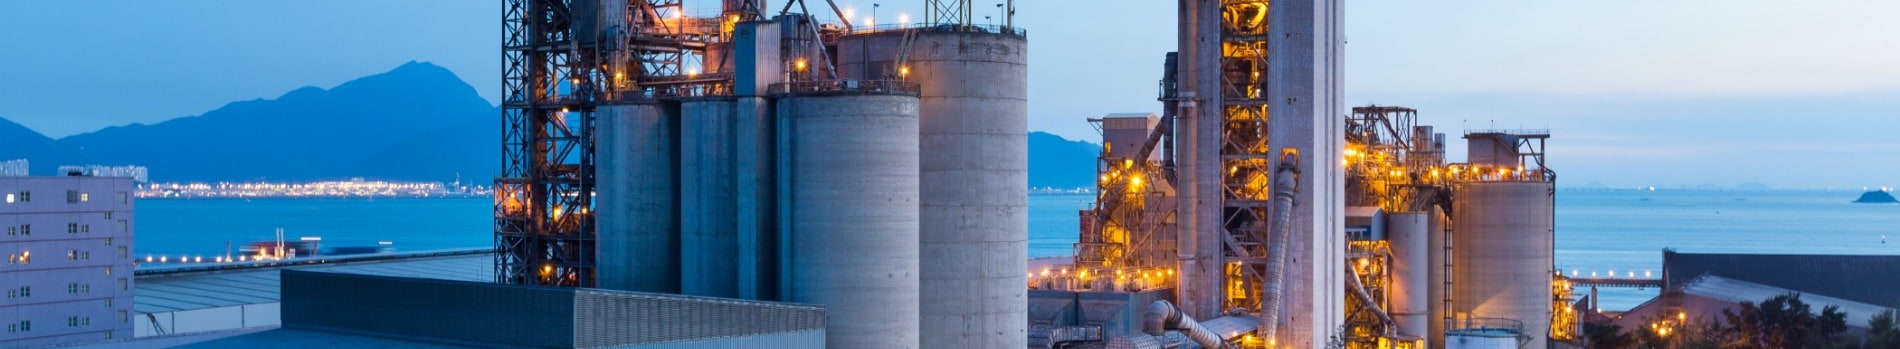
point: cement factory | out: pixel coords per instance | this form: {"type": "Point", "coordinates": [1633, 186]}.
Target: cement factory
{"type": "Point", "coordinates": [880, 171]}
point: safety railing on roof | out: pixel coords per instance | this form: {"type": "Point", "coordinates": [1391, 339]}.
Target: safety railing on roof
{"type": "Point", "coordinates": [847, 87]}
{"type": "Point", "coordinates": [973, 28]}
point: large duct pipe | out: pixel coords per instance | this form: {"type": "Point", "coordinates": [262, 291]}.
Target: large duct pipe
{"type": "Point", "coordinates": [1359, 291]}
{"type": "Point", "coordinates": [1163, 316]}
{"type": "Point", "coordinates": [1285, 184]}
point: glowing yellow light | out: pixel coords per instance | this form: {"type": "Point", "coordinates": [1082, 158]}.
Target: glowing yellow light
{"type": "Point", "coordinates": [1363, 262]}
{"type": "Point", "coordinates": [903, 72]}
{"type": "Point", "coordinates": [1350, 152]}
{"type": "Point", "coordinates": [1136, 180]}
{"type": "Point", "coordinates": [799, 65]}
{"type": "Point", "coordinates": [1045, 271]}
{"type": "Point", "coordinates": [692, 72]}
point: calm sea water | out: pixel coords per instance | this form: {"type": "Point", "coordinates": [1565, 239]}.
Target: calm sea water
{"type": "Point", "coordinates": [1597, 231]}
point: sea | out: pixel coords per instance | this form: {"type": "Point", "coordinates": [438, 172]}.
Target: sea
{"type": "Point", "coordinates": [1598, 231]}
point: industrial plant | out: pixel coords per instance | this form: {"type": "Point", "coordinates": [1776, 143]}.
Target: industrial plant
{"type": "Point", "coordinates": [879, 171]}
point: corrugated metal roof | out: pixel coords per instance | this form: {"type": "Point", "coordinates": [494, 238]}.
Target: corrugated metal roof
{"type": "Point", "coordinates": [1861, 278]}
{"type": "Point", "coordinates": [1742, 291]}
{"type": "Point", "coordinates": [198, 288]}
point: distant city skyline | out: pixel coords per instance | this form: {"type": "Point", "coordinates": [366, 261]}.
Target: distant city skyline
{"type": "Point", "coordinates": [1635, 93]}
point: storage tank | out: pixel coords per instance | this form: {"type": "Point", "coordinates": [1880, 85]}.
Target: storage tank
{"type": "Point", "coordinates": [709, 245]}
{"type": "Point", "coordinates": [974, 133]}
{"type": "Point", "coordinates": [1502, 267]}
{"type": "Point", "coordinates": [848, 214]}
{"type": "Point", "coordinates": [636, 212]}
{"type": "Point", "coordinates": [1409, 234]}
{"type": "Point", "coordinates": [1440, 231]}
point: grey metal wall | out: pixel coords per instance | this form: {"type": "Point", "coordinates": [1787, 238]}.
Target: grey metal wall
{"type": "Point", "coordinates": [1503, 261]}
{"type": "Point", "coordinates": [1409, 234]}
{"type": "Point", "coordinates": [637, 214]}
{"type": "Point", "coordinates": [709, 246]}
{"type": "Point", "coordinates": [1439, 286]}
{"type": "Point", "coordinates": [489, 314]}
{"type": "Point", "coordinates": [974, 129]}
{"type": "Point", "coordinates": [848, 214]}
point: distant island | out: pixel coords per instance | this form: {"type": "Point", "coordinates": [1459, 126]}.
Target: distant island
{"type": "Point", "coordinates": [1876, 197]}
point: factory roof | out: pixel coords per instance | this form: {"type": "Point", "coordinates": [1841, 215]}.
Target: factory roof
{"type": "Point", "coordinates": [1859, 278]}
{"type": "Point", "coordinates": [197, 287]}
{"type": "Point", "coordinates": [1733, 290]}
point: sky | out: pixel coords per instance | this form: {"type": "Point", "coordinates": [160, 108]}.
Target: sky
{"type": "Point", "coordinates": [1636, 93]}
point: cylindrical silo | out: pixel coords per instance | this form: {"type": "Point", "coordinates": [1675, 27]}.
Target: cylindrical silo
{"type": "Point", "coordinates": [1410, 234]}
{"type": "Point", "coordinates": [709, 245]}
{"type": "Point", "coordinates": [635, 208]}
{"type": "Point", "coordinates": [1440, 229]}
{"type": "Point", "coordinates": [848, 214]}
{"type": "Point", "coordinates": [1503, 262]}
{"type": "Point", "coordinates": [974, 127]}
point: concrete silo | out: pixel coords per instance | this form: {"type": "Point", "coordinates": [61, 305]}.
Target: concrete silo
{"type": "Point", "coordinates": [973, 111]}
{"type": "Point", "coordinates": [709, 244]}
{"type": "Point", "coordinates": [848, 216]}
{"type": "Point", "coordinates": [1503, 235]}
{"type": "Point", "coordinates": [637, 157]}
{"type": "Point", "coordinates": [1409, 234]}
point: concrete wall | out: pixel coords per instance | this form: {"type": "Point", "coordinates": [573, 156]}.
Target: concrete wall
{"type": "Point", "coordinates": [974, 136]}
{"type": "Point", "coordinates": [637, 212]}
{"type": "Point", "coordinates": [848, 185]}
{"type": "Point", "coordinates": [1305, 89]}
{"type": "Point", "coordinates": [709, 245]}
{"type": "Point", "coordinates": [1503, 259]}
{"type": "Point", "coordinates": [1438, 290]}
{"type": "Point", "coordinates": [68, 246]}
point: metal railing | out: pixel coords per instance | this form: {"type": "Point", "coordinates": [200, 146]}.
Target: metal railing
{"type": "Point", "coordinates": [945, 27]}
{"type": "Point", "coordinates": [846, 87]}
{"type": "Point", "coordinates": [1484, 325]}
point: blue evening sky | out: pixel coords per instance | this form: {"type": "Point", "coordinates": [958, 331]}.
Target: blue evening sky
{"type": "Point", "coordinates": [1636, 92]}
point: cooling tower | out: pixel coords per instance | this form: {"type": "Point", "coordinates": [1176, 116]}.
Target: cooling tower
{"type": "Point", "coordinates": [1409, 233]}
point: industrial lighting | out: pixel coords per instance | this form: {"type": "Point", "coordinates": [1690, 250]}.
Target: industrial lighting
{"type": "Point", "coordinates": [902, 19]}
{"type": "Point", "coordinates": [799, 65]}
{"type": "Point", "coordinates": [903, 72]}
{"type": "Point", "coordinates": [692, 72]}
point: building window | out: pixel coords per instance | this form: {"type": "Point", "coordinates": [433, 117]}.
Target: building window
{"type": "Point", "coordinates": [85, 255]}
{"type": "Point", "coordinates": [72, 196]}
{"type": "Point", "coordinates": [26, 257]}
{"type": "Point", "coordinates": [72, 288]}
{"type": "Point", "coordinates": [123, 253]}
{"type": "Point", "coordinates": [124, 228]}
{"type": "Point", "coordinates": [72, 228]}
{"type": "Point", "coordinates": [12, 327]}
{"type": "Point", "coordinates": [108, 271]}
{"type": "Point", "coordinates": [108, 215]}
{"type": "Point", "coordinates": [26, 229]}
{"type": "Point", "coordinates": [26, 292]}
{"type": "Point", "coordinates": [85, 197]}
{"type": "Point", "coordinates": [72, 255]}
{"type": "Point", "coordinates": [13, 293]}
{"type": "Point", "coordinates": [85, 228]}
{"type": "Point", "coordinates": [26, 196]}
{"type": "Point", "coordinates": [87, 288]}
{"type": "Point", "coordinates": [10, 198]}
{"type": "Point", "coordinates": [12, 230]}
{"type": "Point", "coordinates": [108, 302]}
{"type": "Point", "coordinates": [108, 241]}
{"type": "Point", "coordinates": [122, 286]}
{"type": "Point", "coordinates": [123, 318]}
{"type": "Point", "coordinates": [125, 199]}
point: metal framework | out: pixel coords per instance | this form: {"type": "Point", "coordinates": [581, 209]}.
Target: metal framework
{"type": "Point", "coordinates": [1126, 226]}
{"type": "Point", "coordinates": [1246, 160]}
{"type": "Point", "coordinates": [544, 227]}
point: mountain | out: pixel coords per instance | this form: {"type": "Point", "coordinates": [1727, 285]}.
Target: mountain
{"type": "Point", "coordinates": [1061, 163]}
{"type": "Point", "coordinates": [19, 142]}
{"type": "Point", "coordinates": [416, 122]}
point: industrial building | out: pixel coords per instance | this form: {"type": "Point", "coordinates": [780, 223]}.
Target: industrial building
{"type": "Point", "coordinates": [138, 173]}
{"type": "Point", "coordinates": [68, 276]}
{"type": "Point", "coordinates": [880, 172]}
{"type": "Point", "coordinates": [14, 168]}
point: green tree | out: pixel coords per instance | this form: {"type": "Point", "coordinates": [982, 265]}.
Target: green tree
{"type": "Point", "coordinates": [1883, 331]}
{"type": "Point", "coordinates": [1783, 321]}
{"type": "Point", "coordinates": [1606, 335]}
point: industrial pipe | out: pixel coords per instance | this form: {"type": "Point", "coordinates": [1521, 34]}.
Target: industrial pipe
{"type": "Point", "coordinates": [1359, 291]}
{"type": "Point", "coordinates": [1163, 316]}
{"type": "Point", "coordinates": [1285, 184]}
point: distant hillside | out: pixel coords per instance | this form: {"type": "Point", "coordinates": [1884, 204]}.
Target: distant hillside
{"type": "Point", "coordinates": [1061, 163]}
{"type": "Point", "coordinates": [417, 122]}
{"type": "Point", "coordinates": [19, 142]}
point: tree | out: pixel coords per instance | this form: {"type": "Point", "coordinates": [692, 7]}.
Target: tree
{"type": "Point", "coordinates": [1883, 331]}
{"type": "Point", "coordinates": [1783, 321]}
{"type": "Point", "coordinates": [1606, 335]}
